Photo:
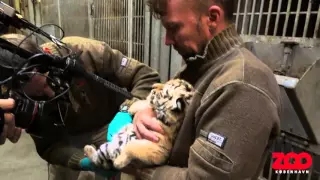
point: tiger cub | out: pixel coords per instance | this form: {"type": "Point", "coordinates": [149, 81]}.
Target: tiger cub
{"type": "Point", "coordinates": [169, 101]}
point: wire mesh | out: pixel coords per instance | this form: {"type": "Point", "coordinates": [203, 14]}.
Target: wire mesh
{"type": "Point", "coordinates": [121, 25]}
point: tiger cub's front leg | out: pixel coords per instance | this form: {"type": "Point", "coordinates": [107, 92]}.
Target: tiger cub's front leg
{"type": "Point", "coordinates": [98, 157]}
{"type": "Point", "coordinates": [91, 152]}
{"type": "Point", "coordinates": [138, 106]}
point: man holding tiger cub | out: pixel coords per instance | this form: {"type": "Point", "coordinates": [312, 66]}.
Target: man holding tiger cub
{"type": "Point", "coordinates": [234, 114]}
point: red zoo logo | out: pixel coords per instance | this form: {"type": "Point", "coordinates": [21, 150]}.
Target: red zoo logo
{"type": "Point", "coordinates": [291, 161]}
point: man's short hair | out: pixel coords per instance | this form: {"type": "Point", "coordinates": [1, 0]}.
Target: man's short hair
{"type": "Point", "coordinates": [158, 7]}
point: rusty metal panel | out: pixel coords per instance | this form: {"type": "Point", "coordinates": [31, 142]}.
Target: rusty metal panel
{"type": "Point", "coordinates": [305, 97]}
{"type": "Point", "coordinates": [71, 15]}
{"type": "Point", "coordinates": [49, 12]}
{"type": "Point", "coordinates": [74, 17]}
{"type": "Point", "coordinates": [290, 121]}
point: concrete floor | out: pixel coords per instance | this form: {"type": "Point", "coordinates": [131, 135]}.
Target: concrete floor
{"type": "Point", "coordinates": [21, 161]}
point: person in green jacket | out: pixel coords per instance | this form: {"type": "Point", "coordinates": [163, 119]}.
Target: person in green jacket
{"type": "Point", "coordinates": [92, 106]}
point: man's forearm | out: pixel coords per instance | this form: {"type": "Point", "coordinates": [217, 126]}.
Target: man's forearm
{"type": "Point", "coordinates": [59, 153]}
{"type": "Point", "coordinates": [64, 155]}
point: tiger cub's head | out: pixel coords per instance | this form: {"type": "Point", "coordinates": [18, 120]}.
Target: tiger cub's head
{"type": "Point", "coordinates": [170, 100]}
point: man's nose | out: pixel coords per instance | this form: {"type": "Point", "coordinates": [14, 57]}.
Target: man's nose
{"type": "Point", "coordinates": [168, 40]}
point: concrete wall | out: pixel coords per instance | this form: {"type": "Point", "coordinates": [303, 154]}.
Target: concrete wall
{"type": "Point", "coordinates": [71, 15]}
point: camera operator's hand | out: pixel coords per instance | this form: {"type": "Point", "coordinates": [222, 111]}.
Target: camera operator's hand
{"type": "Point", "coordinates": [10, 131]}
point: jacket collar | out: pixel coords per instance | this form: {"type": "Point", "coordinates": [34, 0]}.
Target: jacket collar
{"type": "Point", "coordinates": [219, 45]}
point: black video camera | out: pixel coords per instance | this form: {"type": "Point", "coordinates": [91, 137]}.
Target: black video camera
{"type": "Point", "coordinates": [28, 110]}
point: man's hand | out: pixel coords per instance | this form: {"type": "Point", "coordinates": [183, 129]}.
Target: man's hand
{"type": "Point", "coordinates": [145, 125]}
{"type": "Point", "coordinates": [10, 130]}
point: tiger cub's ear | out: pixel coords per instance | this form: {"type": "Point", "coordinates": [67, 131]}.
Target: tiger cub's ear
{"type": "Point", "coordinates": [157, 86]}
{"type": "Point", "coordinates": [181, 102]}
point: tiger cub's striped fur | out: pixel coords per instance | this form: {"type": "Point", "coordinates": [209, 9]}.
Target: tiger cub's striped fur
{"type": "Point", "coordinates": [169, 101]}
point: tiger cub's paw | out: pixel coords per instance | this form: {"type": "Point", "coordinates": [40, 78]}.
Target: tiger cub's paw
{"type": "Point", "coordinates": [89, 151]}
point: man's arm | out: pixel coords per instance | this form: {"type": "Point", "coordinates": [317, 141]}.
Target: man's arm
{"type": "Point", "coordinates": [59, 152]}
{"type": "Point", "coordinates": [137, 77]}
{"type": "Point", "coordinates": [98, 57]}
{"type": "Point", "coordinates": [234, 124]}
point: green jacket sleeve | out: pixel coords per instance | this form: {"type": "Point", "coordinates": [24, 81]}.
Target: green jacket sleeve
{"type": "Point", "coordinates": [59, 152]}
{"type": "Point", "coordinates": [98, 57]}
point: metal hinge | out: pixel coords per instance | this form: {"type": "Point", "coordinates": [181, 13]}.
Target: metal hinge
{"type": "Point", "coordinates": [92, 9]}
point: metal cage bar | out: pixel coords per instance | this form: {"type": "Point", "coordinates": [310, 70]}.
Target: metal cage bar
{"type": "Point", "coordinates": [268, 19]}
{"type": "Point", "coordinates": [252, 16]}
{"type": "Point", "coordinates": [284, 31]}
{"type": "Point", "coordinates": [316, 29]}
{"type": "Point", "coordinates": [297, 18]}
{"type": "Point", "coordinates": [281, 13]}
{"type": "Point", "coordinates": [279, 20]}
{"type": "Point", "coordinates": [260, 17]}
{"type": "Point", "coordinates": [307, 20]}
{"type": "Point", "coordinates": [238, 13]}
{"type": "Point", "coordinates": [130, 26]}
{"type": "Point", "coordinates": [244, 16]}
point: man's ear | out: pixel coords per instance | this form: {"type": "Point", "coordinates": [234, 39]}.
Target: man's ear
{"type": "Point", "coordinates": [215, 14]}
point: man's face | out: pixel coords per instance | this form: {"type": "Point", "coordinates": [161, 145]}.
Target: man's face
{"type": "Point", "coordinates": [37, 86]}
{"type": "Point", "coordinates": [186, 30]}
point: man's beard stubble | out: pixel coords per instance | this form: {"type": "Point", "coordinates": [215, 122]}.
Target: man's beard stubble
{"type": "Point", "coordinates": [187, 52]}
{"type": "Point", "coordinates": [202, 44]}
